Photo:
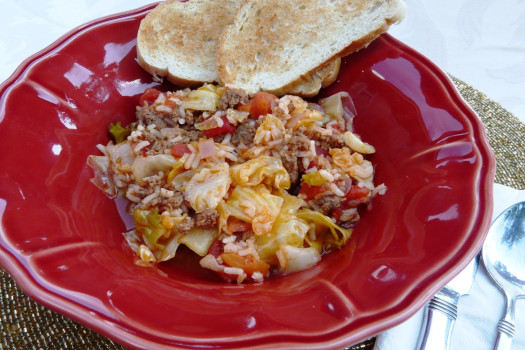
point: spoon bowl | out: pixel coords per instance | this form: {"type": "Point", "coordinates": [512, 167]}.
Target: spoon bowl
{"type": "Point", "coordinates": [503, 255]}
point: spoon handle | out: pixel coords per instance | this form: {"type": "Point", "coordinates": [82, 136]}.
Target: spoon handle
{"type": "Point", "coordinates": [506, 327]}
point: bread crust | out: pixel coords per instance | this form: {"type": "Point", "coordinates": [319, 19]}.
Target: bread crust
{"type": "Point", "coordinates": [309, 85]}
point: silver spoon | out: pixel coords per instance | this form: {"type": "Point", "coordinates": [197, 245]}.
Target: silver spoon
{"type": "Point", "coordinates": [504, 258]}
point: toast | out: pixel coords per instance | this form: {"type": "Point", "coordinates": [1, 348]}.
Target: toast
{"type": "Point", "coordinates": [178, 40]}
{"type": "Point", "coordinates": [272, 44]}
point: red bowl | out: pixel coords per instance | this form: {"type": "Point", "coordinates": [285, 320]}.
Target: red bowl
{"type": "Point", "coordinates": [61, 238]}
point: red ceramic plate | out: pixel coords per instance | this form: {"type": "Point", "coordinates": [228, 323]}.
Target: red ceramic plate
{"type": "Point", "coordinates": [61, 239]}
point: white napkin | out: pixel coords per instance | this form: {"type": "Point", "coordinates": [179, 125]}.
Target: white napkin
{"type": "Point", "coordinates": [478, 313]}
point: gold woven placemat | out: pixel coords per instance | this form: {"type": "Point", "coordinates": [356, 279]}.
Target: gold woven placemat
{"type": "Point", "coordinates": [27, 325]}
{"type": "Point", "coordinates": [506, 134]}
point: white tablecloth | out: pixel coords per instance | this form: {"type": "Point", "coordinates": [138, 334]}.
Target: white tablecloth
{"type": "Point", "coordinates": [479, 41]}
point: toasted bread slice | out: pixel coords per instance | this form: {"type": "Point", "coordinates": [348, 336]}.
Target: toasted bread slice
{"type": "Point", "coordinates": [273, 43]}
{"type": "Point", "coordinates": [177, 40]}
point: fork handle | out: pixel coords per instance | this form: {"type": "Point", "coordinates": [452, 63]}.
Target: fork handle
{"type": "Point", "coordinates": [506, 327]}
{"type": "Point", "coordinates": [440, 316]}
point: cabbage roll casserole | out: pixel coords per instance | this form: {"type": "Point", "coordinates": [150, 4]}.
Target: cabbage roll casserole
{"type": "Point", "coordinates": [254, 184]}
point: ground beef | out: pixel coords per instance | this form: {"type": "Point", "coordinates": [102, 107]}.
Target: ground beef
{"type": "Point", "coordinates": [232, 97]}
{"type": "Point", "coordinates": [297, 144]}
{"type": "Point", "coordinates": [185, 225]}
{"type": "Point", "coordinates": [186, 135]}
{"type": "Point", "coordinates": [206, 219]}
{"type": "Point", "coordinates": [290, 163]}
{"type": "Point", "coordinates": [219, 138]}
{"type": "Point", "coordinates": [327, 203]}
{"type": "Point", "coordinates": [188, 117]}
{"type": "Point", "coordinates": [244, 133]}
{"type": "Point", "coordinates": [172, 203]}
{"type": "Point", "coordinates": [328, 141]}
{"type": "Point", "coordinates": [190, 134]}
{"type": "Point", "coordinates": [148, 115]}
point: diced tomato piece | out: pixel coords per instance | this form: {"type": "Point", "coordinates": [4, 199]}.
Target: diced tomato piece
{"type": "Point", "coordinates": [355, 196]}
{"type": "Point", "coordinates": [236, 225]}
{"type": "Point", "coordinates": [245, 107]}
{"type": "Point", "coordinates": [357, 193]}
{"type": "Point", "coordinates": [179, 150]}
{"type": "Point", "coordinates": [248, 263]}
{"type": "Point", "coordinates": [310, 191]}
{"type": "Point", "coordinates": [215, 248]}
{"type": "Point", "coordinates": [337, 129]}
{"type": "Point", "coordinates": [261, 104]}
{"type": "Point", "coordinates": [170, 103]}
{"type": "Point", "coordinates": [226, 128]}
{"type": "Point", "coordinates": [149, 96]}
{"type": "Point", "coordinates": [336, 213]}
{"type": "Point", "coordinates": [320, 150]}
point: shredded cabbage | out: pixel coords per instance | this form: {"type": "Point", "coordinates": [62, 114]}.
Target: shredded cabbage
{"type": "Point", "coordinates": [121, 153]}
{"type": "Point", "coordinates": [333, 104]}
{"type": "Point", "coordinates": [339, 105]}
{"type": "Point", "coordinates": [163, 239]}
{"type": "Point", "coordinates": [146, 166]}
{"type": "Point", "coordinates": [272, 128]}
{"type": "Point", "coordinates": [181, 178]}
{"type": "Point", "coordinates": [293, 259]}
{"type": "Point", "coordinates": [287, 229]}
{"type": "Point", "coordinates": [356, 144]}
{"type": "Point", "coordinates": [199, 239]}
{"type": "Point", "coordinates": [256, 205]}
{"type": "Point", "coordinates": [342, 158]}
{"type": "Point", "coordinates": [311, 116]}
{"type": "Point", "coordinates": [207, 187]}
{"type": "Point", "coordinates": [224, 213]}
{"type": "Point", "coordinates": [215, 121]}
{"type": "Point", "coordinates": [354, 165]}
{"type": "Point", "coordinates": [148, 224]}
{"type": "Point", "coordinates": [262, 170]}
{"type": "Point", "coordinates": [170, 248]}
{"type": "Point", "coordinates": [314, 179]}
{"type": "Point", "coordinates": [236, 117]}
{"type": "Point", "coordinates": [205, 98]}
{"type": "Point", "coordinates": [103, 177]}
{"type": "Point", "coordinates": [176, 169]}
{"type": "Point", "coordinates": [340, 235]}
